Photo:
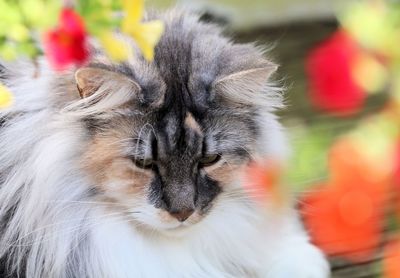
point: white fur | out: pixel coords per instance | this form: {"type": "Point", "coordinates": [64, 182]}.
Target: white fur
{"type": "Point", "coordinates": [67, 234]}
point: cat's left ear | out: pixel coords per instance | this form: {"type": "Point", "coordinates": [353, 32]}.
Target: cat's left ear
{"type": "Point", "coordinates": [243, 86]}
{"type": "Point", "coordinates": [90, 79]}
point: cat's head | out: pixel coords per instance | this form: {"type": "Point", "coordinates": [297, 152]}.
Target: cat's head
{"type": "Point", "coordinates": [166, 139]}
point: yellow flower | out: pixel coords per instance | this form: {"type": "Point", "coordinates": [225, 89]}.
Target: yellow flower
{"type": "Point", "coordinates": [369, 73]}
{"type": "Point", "coordinates": [146, 34]}
{"type": "Point", "coordinates": [6, 98]}
{"type": "Point", "coordinates": [116, 48]}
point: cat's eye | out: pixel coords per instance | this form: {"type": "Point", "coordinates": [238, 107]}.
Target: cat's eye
{"type": "Point", "coordinates": [209, 160]}
{"type": "Point", "coordinates": [144, 163]}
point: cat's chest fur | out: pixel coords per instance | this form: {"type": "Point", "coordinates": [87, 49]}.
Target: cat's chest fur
{"type": "Point", "coordinates": [230, 248]}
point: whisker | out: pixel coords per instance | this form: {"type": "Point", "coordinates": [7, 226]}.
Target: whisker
{"type": "Point", "coordinates": [59, 232]}
{"type": "Point", "coordinates": [120, 213]}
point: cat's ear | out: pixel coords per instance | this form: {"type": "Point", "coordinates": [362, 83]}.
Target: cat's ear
{"type": "Point", "coordinates": [244, 86]}
{"type": "Point", "coordinates": [250, 79]}
{"type": "Point", "coordinates": [90, 79]}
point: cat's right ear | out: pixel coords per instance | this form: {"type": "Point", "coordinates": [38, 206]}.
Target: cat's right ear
{"type": "Point", "coordinates": [90, 79]}
{"type": "Point", "coordinates": [247, 87]}
{"type": "Point", "coordinates": [252, 80]}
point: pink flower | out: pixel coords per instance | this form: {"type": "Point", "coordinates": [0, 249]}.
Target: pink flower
{"type": "Point", "coordinates": [67, 43]}
{"type": "Point", "coordinates": [329, 68]}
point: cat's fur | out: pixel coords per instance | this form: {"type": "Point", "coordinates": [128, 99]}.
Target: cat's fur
{"type": "Point", "coordinates": [73, 203]}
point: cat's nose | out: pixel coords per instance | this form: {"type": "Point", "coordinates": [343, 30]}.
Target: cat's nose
{"type": "Point", "coordinates": [182, 215]}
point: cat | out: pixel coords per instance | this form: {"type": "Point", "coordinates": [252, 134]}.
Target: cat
{"type": "Point", "coordinates": [136, 169]}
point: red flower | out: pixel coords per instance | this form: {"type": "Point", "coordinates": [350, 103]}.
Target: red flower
{"type": "Point", "coordinates": [345, 217]}
{"type": "Point", "coordinates": [67, 44]}
{"type": "Point", "coordinates": [329, 68]}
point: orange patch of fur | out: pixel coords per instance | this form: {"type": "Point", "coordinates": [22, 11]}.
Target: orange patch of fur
{"type": "Point", "coordinates": [105, 164]}
{"type": "Point", "coordinates": [225, 173]}
{"type": "Point", "coordinates": [191, 123]}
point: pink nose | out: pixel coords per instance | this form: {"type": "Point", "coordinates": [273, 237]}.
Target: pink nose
{"type": "Point", "coordinates": [182, 215]}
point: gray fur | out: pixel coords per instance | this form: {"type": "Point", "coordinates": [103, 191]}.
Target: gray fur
{"type": "Point", "coordinates": [190, 61]}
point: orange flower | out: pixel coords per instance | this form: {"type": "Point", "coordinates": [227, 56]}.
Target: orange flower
{"type": "Point", "coordinates": [396, 181]}
{"type": "Point", "coordinates": [349, 162]}
{"type": "Point", "coordinates": [344, 221]}
{"type": "Point", "coordinates": [262, 180]}
{"type": "Point", "coordinates": [345, 217]}
{"type": "Point", "coordinates": [397, 166]}
{"type": "Point", "coordinates": [391, 261]}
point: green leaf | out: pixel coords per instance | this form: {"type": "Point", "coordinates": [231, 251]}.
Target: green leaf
{"type": "Point", "coordinates": [8, 51]}
{"type": "Point", "coordinates": [308, 164]}
{"type": "Point", "coordinates": [9, 14]}
{"type": "Point", "coordinates": [40, 14]}
{"type": "Point", "coordinates": [18, 32]}
{"type": "Point", "coordinates": [28, 49]}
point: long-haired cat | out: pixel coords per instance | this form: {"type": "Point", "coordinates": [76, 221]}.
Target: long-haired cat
{"type": "Point", "coordinates": [135, 169]}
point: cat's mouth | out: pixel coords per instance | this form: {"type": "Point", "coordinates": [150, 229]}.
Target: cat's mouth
{"type": "Point", "coordinates": [178, 227]}
{"type": "Point", "coordinates": [179, 230]}
{"type": "Point", "coordinates": [173, 230]}
{"type": "Point", "coordinates": [194, 219]}
{"type": "Point", "coordinates": [163, 222]}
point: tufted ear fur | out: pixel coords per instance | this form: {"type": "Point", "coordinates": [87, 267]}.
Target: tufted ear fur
{"type": "Point", "coordinates": [90, 79]}
{"type": "Point", "coordinates": [247, 86]}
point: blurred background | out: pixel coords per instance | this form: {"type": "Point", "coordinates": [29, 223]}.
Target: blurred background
{"type": "Point", "coordinates": [340, 67]}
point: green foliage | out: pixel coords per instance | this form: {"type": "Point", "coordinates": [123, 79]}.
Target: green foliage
{"type": "Point", "coordinates": [21, 21]}
{"type": "Point", "coordinates": [310, 145]}
{"type": "Point", "coordinates": [100, 14]}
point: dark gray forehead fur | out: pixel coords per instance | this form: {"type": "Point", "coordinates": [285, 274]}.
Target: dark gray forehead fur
{"type": "Point", "coordinates": [191, 55]}
{"type": "Point", "coordinates": [189, 58]}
